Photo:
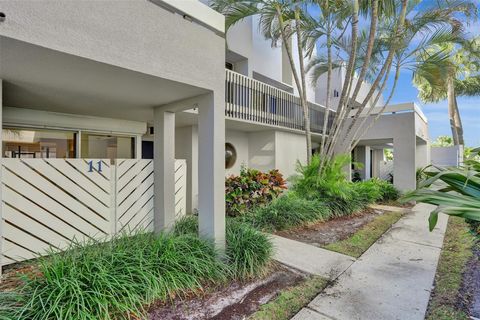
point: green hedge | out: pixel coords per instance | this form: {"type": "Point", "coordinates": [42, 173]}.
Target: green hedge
{"type": "Point", "coordinates": [116, 279]}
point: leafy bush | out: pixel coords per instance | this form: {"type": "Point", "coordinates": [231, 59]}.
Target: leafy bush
{"type": "Point", "coordinates": [115, 279]}
{"type": "Point", "coordinates": [330, 185]}
{"type": "Point", "coordinates": [367, 192]}
{"type": "Point", "coordinates": [288, 211]}
{"type": "Point", "coordinates": [381, 190]}
{"type": "Point", "coordinates": [251, 188]}
{"type": "Point", "coordinates": [248, 250]}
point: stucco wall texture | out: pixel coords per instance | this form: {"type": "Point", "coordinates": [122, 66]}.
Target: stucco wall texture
{"type": "Point", "coordinates": [136, 35]}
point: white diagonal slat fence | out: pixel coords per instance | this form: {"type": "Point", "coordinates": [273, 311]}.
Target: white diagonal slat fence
{"type": "Point", "coordinates": [48, 203]}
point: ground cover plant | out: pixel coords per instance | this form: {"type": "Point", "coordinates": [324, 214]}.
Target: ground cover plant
{"type": "Point", "coordinates": [119, 278]}
{"type": "Point", "coordinates": [251, 188]}
{"type": "Point", "coordinates": [290, 301]}
{"type": "Point", "coordinates": [456, 252]}
{"type": "Point", "coordinates": [361, 240]}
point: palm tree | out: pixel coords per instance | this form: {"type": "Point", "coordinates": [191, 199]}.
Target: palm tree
{"type": "Point", "coordinates": [280, 21]}
{"type": "Point", "coordinates": [394, 47]}
{"type": "Point", "coordinates": [462, 78]}
{"type": "Point", "coordinates": [429, 28]}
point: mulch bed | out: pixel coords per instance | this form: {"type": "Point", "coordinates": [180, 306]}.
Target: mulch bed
{"type": "Point", "coordinates": [323, 233]}
{"type": "Point", "coordinates": [469, 293]}
{"type": "Point", "coordinates": [238, 300]}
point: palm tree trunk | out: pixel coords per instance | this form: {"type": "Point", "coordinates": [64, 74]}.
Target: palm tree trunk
{"type": "Point", "coordinates": [329, 83]}
{"type": "Point", "coordinates": [306, 111]}
{"type": "Point", "coordinates": [385, 68]}
{"type": "Point", "coordinates": [288, 49]}
{"type": "Point", "coordinates": [342, 108]}
{"type": "Point", "coordinates": [356, 138]}
{"type": "Point", "coordinates": [368, 54]}
{"type": "Point", "coordinates": [451, 110]}
{"type": "Point", "coordinates": [458, 121]}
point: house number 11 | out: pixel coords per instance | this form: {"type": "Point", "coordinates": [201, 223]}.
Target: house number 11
{"type": "Point", "coordinates": [90, 166]}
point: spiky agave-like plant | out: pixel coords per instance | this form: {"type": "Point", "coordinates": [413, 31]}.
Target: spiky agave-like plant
{"type": "Point", "coordinates": [455, 191]}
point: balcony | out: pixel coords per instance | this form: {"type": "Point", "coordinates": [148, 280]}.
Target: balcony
{"type": "Point", "coordinates": [254, 101]}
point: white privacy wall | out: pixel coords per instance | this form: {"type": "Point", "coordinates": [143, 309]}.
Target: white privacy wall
{"type": "Point", "coordinates": [446, 156]}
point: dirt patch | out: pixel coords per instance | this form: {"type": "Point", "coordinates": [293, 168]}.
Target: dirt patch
{"type": "Point", "coordinates": [11, 277]}
{"type": "Point", "coordinates": [469, 293]}
{"type": "Point", "coordinates": [236, 301]}
{"type": "Point", "coordinates": [323, 233]}
{"type": "Point", "coordinates": [405, 205]}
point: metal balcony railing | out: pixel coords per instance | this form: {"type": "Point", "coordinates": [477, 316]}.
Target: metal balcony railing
{"type": "Point", "coordinates": [251, 100]}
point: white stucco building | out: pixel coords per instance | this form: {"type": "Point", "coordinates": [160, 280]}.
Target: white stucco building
{"type": "Point", "coordinates": [90, 93]}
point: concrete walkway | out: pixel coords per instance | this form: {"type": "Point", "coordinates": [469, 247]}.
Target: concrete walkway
{"type": "Point", "coordinates": [310, 259]}
{"type": "Point", "coordinates": [391, 280]}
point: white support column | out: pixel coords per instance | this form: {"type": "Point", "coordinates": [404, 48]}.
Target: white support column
{"type": "Point", "coordinates": [138, 146]}
{"type": "Point", "coordinates": [378, 157]}
{"type": "Point", "coordinates": [211, 168]}
{"type": "Point", "coordinates": [1, 156]}
{"type": "Point", "coordinates": [164, 169]}
{"type": "Point", "coordinates": [362, 155]}
{"type": "Point", "coordinates": [404, 163]}
{"type": "Point", "coordinates": [422, 154]}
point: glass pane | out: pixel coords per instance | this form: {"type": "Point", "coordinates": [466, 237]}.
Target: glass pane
{"type": "Point", "coordinates": [97, 146]}
{"type": "Point", "coordinates": [35, 143]}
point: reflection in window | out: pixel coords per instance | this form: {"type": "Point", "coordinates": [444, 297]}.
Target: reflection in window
{"type": "Point", "coordinates": [97, 146]}
{"type": "Point", "coordinates": [38, 143]}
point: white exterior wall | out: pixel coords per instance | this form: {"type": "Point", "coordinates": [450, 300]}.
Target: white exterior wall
{"type": "Point", "coordinates": [402, 129]}
{"type": "Point", "coordinates": [45, 119]}
{"type": "Point", "coordinates": [261, 150]}
{"type": "Point", "coordinates": [336, 84]}
{"type": "Point", "coordinates": [447, 156]}
{"type": "Point", "coordinates": [289, 148]}
{"type": "Point", "coordinates": [266, 59]}
{"type": "Point", "coordinates": [186, 147]}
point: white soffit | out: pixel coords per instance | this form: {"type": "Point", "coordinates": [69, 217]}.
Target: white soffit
{"type": "Point", "coordinates": [197, 11]}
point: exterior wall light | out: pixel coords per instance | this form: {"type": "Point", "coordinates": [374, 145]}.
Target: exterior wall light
{"type": "Point", "coordinates": [230, 155]}
{"type": "Point", "coordinates": [2, 16]}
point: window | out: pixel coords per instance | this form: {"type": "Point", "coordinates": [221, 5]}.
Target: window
{"type": "Point", "coordinates": [38, 143]}
{"type": "Point", "coordinates": [98, 146]}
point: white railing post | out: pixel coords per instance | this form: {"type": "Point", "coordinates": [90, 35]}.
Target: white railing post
{"type": "Point", "coordinates": [1, 169]}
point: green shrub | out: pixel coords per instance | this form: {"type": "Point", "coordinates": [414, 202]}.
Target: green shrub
{"type": "Point", "coordinates": [330, 185]}
{"type": "Point", "coordinates": [115, 279]}
{"type": "Point", "coordinates": [367, 192]}
{"type": "Point", "coordinates": [248, 250]}
{"type": "Point", "coordinates": [388, 190]}
{"type": "Point", "coordinates": [287, 211]}
{"type": "Point", "coordinates": [251, 188]}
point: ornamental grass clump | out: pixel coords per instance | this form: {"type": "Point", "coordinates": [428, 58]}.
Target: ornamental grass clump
{"type": "Point", "coordinates": [287, 211]}
{"type": "Point", "coordinates": [119, 278]}
{"type": "Point", "coordinates": [248, 250]}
